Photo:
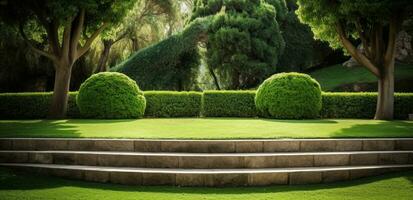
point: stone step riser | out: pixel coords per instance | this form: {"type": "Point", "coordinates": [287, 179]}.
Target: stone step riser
{"type": "Point", "coordinates": [209, 146]}
{"type": "Point", "coordinates": [208, 162]}
{"type": "Point", "coordinates": [212, 180]}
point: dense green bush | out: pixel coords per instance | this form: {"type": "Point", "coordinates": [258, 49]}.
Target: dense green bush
{"type": "Point", "coordinates": [32, 105]}
{"type": "Point", "coordinates": [111, 95]}
{"type": "Point", "coordinates": [362, 105]}
{"type": "Point", "coordinates": [289, 96]}
{"type": "Point", "coordinates": [173, 104]}
{"type": "Point", "coordinates": [229, 104]}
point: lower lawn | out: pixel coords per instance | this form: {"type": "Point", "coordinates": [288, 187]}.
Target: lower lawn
{"type": "Point", "coordinates": [27, 186]}
{"type": "Point", "coordinates": [211, 128]}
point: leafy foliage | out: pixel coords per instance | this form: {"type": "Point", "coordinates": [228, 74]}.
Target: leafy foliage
{"type": "Point", "coordinates": [169, 64]}
{"type": "Point", "coordinates": [244, 40]}
{"type": "Point", "coordinates": [229, 104]}
{"type": "Point", "coordinates": [289, 96]}
{"type": "Point", "coordinates": [111, 95]}
{"type": "Point", "coordinates": [173, 104]}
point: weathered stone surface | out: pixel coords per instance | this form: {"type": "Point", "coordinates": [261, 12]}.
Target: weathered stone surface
{"type": "Point", "coordinates": [5, 144]}
{"type": "Point", "coordinates": [331, 160]}
{"type": "Point", "coordinates": [193, 162]}
{"type": "Point", "coordinates": [97, 176]}
{"type": "Point", "coordinates": [121, 160]}
{"type": "Point", "coordinates": [295, 161]}
{"type": "Point", "coordinates": [335, 176]}
{"type": "Point", "coordinates": [349, 145]}
{"type": "Point", "coordinates": [190, 180]}
{"type": "Point", "coordinates": [260, 162]}
{"type": "Point", "coordinates": [20, 157]}
{"type": "Point", "coordinates": [147, 146]}
{"type": "Point", "coordinates": [81, 145]}
{"type": "Point", "coordinates": [281, 146]}
{"type": "Point", "coordinates": [126, 178]}
{"type": "Point", "coordinates": [393, 158]}
{"type": "Point", "coordinates": [162, 162]}
{"type": "Point", "coordinates": [223, 180]}
{"type": "Point", "coordinates": [355, 174]}
{"type": "Point", "coordinates": [317, 145]}
{"type": "Point", "coordinates": [249, 146]}
{"type": "Point", "coordinates": [86, 159]}
{"type": "Point", "coordinates": [158, 179]}
{"type": "Point", "coordinates": [43, 158]}
{"type": "Point", "coordinates": [114, 145]}
{"type": "Point", "coordinates": [184, 146]}
{"type": "Point", "coordinates": [364, 159]}
{"type": "Point", "coordinates": [378, 145]}
{"type": "Point", "coordinates": [47, 145]}
{"type": "Point", "coordinates": [297, 178]}
{"type": "Point", "coordinates": [228, 162]}
{"type": "Point", "coordinates": [263, 179]}
{"type": "Point", "coordinates": [221, 147]}
{"type": "Point", "coordinates": [404, 145]}
{"type": "Point", "coordinates": [23, 144]}
{"type": "Point", "coordinates": [64, 158]}
{"type": "Point", "coordinates": [65, 173]}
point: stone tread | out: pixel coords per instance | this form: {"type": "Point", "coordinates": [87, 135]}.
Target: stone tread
{"type": "Point", "coordinates": [203, 171]}
{"type": "Point", "coordinates": [179, 154]}
{"type": "Point", "coordinates": [213, 140]}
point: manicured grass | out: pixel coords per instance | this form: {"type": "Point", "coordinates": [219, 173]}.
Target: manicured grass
{"type": "Point", "coordinates": [25, 186]}
{"type": "Point", "coordinates": [337, 75]}
{"type": "Point", "coordinates": [212, 128]}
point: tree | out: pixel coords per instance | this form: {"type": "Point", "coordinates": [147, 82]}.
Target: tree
{"type": "Point", "coordinates": [373, 23]}
{"type": "Point", "coordinates": [144, 12]}
{"type": "Point", "coordinates": [69, 27]}
{"type": "Point", "coordinates": [244, 42]}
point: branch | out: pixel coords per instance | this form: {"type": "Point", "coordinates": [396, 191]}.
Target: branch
{"type": "Point", "coordinates": [89, 41]}
{"type": "Point", "coordinates": [362, 59]}
{"type": "Point", "coordinates": [76, 34]}
{"type": "Point", "coordinates": [39, 51]}
{"type": "Point", "coordinates": [363, 38]}
{"type": "Point", "coordinates": [391, 43]}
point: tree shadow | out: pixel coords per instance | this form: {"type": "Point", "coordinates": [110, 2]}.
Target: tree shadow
{"type": "Point", "coordinates": [302, 121]}
{"type": "Point", "coordinates": [16, 180]}
{"type": "Point", "coordinates": [379, 129]}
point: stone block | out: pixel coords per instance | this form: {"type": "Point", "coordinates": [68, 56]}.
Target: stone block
{"type": "Point", "coordinates": [331, 160]}
{"type": "Point", "coordinates": [42, 158]}
{"type": "Point", "coordinates": [264, 179]}
{"type": "Point", "coordinates": [361, 173]}
{"type": "Point", "coordinates": [23, 144]}
{"type": "Point", "coordinates": [404, 144]}
{"type": "Point", "coordinates": [190, 180]}
{"type": "Point", "coordinates": [226, 162]}
{"type": "Point", "coordinates": [6, 144]}
{"type": "Point", "coordinates": [393, 158]}
{"type": "Point", "coordinates": [66, 173]}
{"type": "Point", "coordinates": [378, 145]}
{"type": "Point", "coordinates": [221, 146]}
{"type": "Point", "coordinates": [335, 176]}
{"type": "Point", "coordinates": [295, 161]}
{"type": "Point", "coordinates": [50, 144]}
{"type": "Point", "coordinates": [298, 178]}
{"type": "Point", "coordinates": [317, 145]}
{"type": "Point", "coordinates": [162, 161]}
{"type": "Point", "coordinates": [114, 145]}
{"type": "Point", "coordinates": [225, 180]}
{"type": "Point", "coordinates": [126, 178]}
{"type": "Point", "coordinates": [64, 158]}
{"type": "Point", "coordinates": [121, 160]}
{"type": "Point", "coordinates": [86, 159]}
{"type": "Point", "coordinates": [158, 179]}
{"type": "Point", "coordinates": [260, 162]}
{"type": "Point", "coordinates": [147, 146]}
{"type": "Point", "coordinates": [249, 146]}
{"type": "Point", "coordinates": [81, 145]}
{"type": "Point", "coordinates": [364, 159]}
{"type": "Point", "coordinates": [194, 162]}
{"type": "Point", "coordinates": [16, 157]}
{"type": "Point", "coordinates": [281, 146]}
{"type": "Point", "coordinates": [97, 176]}
{"type": "Point", "coordinates": [349, 145]}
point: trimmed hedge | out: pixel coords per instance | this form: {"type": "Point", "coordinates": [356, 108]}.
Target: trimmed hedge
{"type": "Point", "coordinates": [32, 105]}
{"type": "Point", "coordinates": [335, 105]}
{"type": "Point", "coordinates": [110, 95]}
{"type": "Point", "coordinates": [289, 96]}
{"type": "Point", "coordinates": [173, 104]}
{"type": "Point", "coordinates": [229, 104]}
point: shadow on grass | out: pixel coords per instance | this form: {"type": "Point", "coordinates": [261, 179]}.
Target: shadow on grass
{"type": "Point", "coordinates": [13, 180]}
{"type": "Point", "coordinates": [47, 128]}
{"type": "Point", "coordinates": [304, 121]}
{"type": "Point", "coordinates": [380, 129]}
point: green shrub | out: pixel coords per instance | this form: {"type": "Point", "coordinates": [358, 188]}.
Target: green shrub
{"type": "Point", "coordinates": [229, 104]}
{"type": "Point", "coordinates": [173, 104]}
{"type": "Point", "coordinates": [289, 96]}
{"type": "Point", "coordinates": [111, 95]}
{"type": "Point", "coordinates": [362, 105]}
{"type": "Point", "coordinates": [32, 105]}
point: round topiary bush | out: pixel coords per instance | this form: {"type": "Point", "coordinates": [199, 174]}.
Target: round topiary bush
{"type": "Point", "coordinates": [289, 96]}
{"type": "Point", "coordinates": [110, 95]}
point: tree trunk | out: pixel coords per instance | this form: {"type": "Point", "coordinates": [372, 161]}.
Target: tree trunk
{"type": "Point", "coordinates": [214, 76]}
{"type": "Point", "coordinates": [58, 107]}
{"type": "Point", "coordinates": [385, 96]}
{"type": "Point", "coordinates": [104, 56]}
{"type": "Point", "coordinates": [235, 80]}
{"type": "Point", "coordinates": [135, 44]}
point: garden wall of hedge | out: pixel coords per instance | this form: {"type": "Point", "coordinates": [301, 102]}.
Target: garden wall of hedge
{"type": "Point", "coordinates": [207, 104]}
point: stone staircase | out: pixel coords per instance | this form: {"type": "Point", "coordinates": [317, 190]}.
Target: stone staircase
{"type": "Point", "coordinates": [208, 162]}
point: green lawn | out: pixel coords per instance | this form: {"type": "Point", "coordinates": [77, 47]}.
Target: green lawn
{"type": "Point", "coordinates": [212, 128]}
{"type": "Point", "coordinates": [26, 186]}
{"type": "Point", "coordinates": [337, 75]}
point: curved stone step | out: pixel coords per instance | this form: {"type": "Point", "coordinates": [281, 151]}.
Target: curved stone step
{"type": "Point", "coordinates": [209, 160]}
{"type": "Point", "coordinates": [208, 177]}
{"type": "Point", "coordinates": [208, 146]}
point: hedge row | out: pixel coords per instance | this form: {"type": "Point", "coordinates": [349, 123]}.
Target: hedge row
{"type": "Point", "coordinates": [207, 104]}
